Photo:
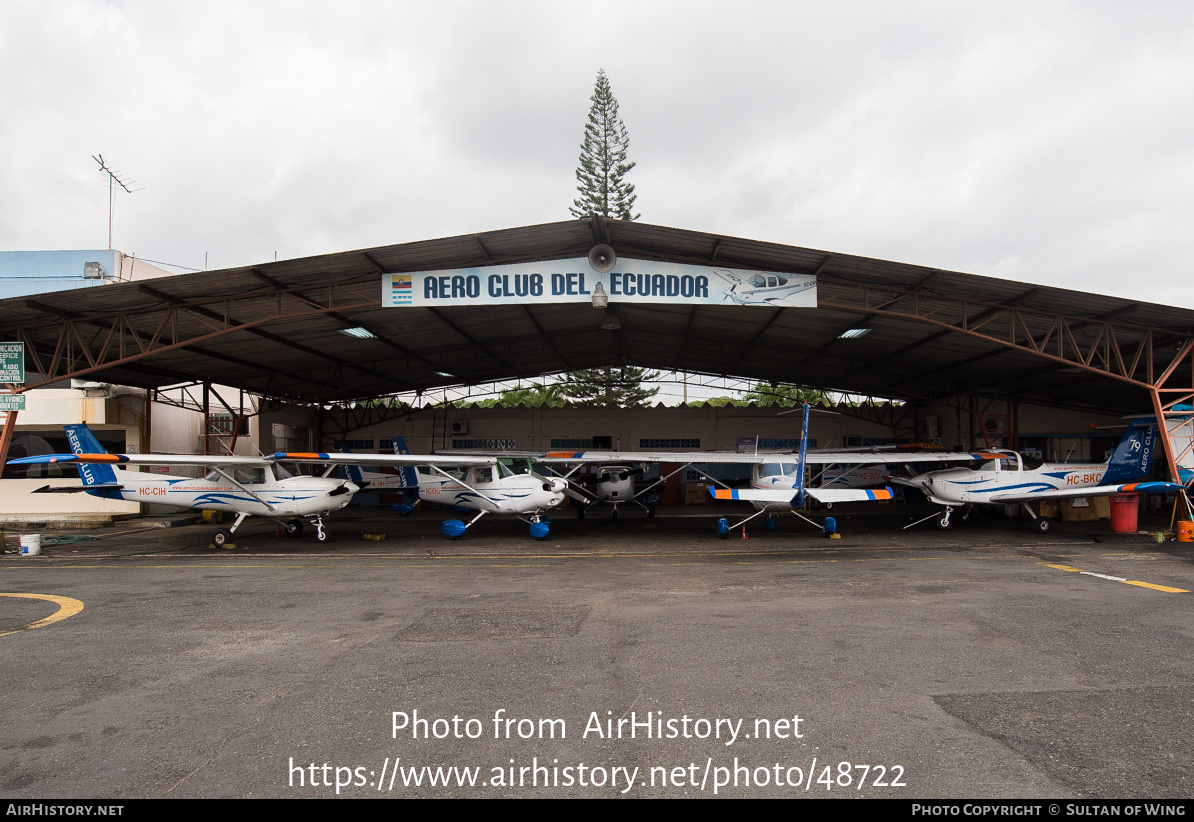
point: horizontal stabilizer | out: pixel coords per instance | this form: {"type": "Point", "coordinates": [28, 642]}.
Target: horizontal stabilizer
{"type": "Point", "coordinates": [753, 494]}
{"type": "Point", "coordinates": [848, 494]}
{"type": "Point", "coordinates": [79, 489]}
{"type": "Point", "coordinates": [788, 494]}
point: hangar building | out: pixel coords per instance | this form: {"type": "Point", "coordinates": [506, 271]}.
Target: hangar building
{"type": "Point", "coordinates": [976, 360]}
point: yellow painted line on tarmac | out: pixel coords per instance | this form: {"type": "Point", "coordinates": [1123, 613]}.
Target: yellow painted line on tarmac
{"type": "Point", "coordinates": [1164, 588]}
{"type": "Point", "coordinates": [67, 607]}
{"type": "Point", "coordinates": [1135, 582]}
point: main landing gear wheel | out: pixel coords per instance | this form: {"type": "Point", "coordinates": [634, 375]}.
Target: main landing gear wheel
{"type": "Point", "coordinates": [294, 528]}
{"type": "Point", "coordinates": [223, 539]}
{"type": "Point", "coordinates": [1041, 525]}
{"type": "Point", "coordinates": [614, 515]}
{"type": "Point", "coordinates": [651, 511]}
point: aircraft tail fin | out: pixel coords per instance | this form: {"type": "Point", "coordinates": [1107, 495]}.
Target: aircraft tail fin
{"type": "Point", "coordinates": [801, 460]}
{"type": "Point", "coordinates": [352, 473]}
{"type": "Point", "coordinates": [410, 477]}
{"type": "Point", "coordinates": [82, 441]}
{"type": "Point", "coordinates": [1133, 456]}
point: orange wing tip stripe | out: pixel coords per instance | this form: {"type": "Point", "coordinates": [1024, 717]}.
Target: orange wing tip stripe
{"type": "Point", "coordinates": [719, 493]}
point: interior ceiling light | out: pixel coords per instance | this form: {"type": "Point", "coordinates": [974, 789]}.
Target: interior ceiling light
{"type": "Point", "coordinates": [358, 332]}
{"type": "Point", "coordinates": [445, 374]}
{"type": "Point", "coordinates": [600, 298]}
{"type": "Point", "coordinates": [853, 333]}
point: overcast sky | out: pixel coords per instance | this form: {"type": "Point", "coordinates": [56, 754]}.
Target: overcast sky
{"type": "Point", "coordinates": [1049, 142]}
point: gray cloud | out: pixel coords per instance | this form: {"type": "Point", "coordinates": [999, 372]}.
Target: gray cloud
{"type": "Point", "coordinates": [1044, 142]}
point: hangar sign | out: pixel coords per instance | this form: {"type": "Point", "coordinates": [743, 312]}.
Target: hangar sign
{"type": "Point", "coordinates": [574, 281]}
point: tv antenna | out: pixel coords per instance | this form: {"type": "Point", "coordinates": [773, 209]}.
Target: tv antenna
{"type": "Point", "coordinates": [114, 179]}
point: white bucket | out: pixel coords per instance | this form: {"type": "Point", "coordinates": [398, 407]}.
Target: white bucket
{"type": "Point", "coordinates": [30, 545]}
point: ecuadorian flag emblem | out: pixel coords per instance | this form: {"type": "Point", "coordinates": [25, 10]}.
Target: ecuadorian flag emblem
{"type": "Point", "coordinates": [401, 292]}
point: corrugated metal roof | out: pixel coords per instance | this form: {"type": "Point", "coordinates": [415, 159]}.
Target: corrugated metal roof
{"type": "Point", "coordinates": [916, 346]}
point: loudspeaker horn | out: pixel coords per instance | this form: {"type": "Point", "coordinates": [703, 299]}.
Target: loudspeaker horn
{"type": "Point", "coordinates": [602, 258]}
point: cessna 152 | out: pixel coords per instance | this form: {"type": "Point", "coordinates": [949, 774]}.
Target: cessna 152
{"type": "Point", "coordinates": [999, 477]}
{"type": "Point", "coordinates": [269, 490]}
{"type": "Point", "coordinates": [497, 485]}
{"type": "Point", "coordinates": [778, 483]}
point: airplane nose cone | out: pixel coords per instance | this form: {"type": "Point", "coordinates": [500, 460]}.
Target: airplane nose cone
{"type": "Point", "coordinates": [557, 486]}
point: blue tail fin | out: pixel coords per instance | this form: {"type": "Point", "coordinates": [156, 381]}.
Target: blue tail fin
{"type": "Point", "coordinates": [82, 441]}
{"type": "Point", "coordinates": [1133, 456]}
{"type": "Point", "coordinates": [351, 472]}
{"type": "Point", "coordinates": [410, 477]}
{"type": "Point", "coordinates": [801, 460]}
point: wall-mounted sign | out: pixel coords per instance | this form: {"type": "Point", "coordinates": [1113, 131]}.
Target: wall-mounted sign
{"type": "Point", "coordinates": [12, 363]}
{"type": "Point", "coordinates": [566, 281]}
{"type": "Point", "coordinates": [12, 402]}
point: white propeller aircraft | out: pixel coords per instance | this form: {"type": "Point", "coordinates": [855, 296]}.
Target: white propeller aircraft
{"type": "Point", "coordinates": [508, 486]}
{"type": "Point", "coordinates": [999, 477]}
{"type": "Point", "coordinates": [245, 486]}
{"type": "Point", "coordinates": [612, 484]}
{"type": "Point", "coordinates": [778, 480]}
{"type": "Point", "coordinates": [763, 288]}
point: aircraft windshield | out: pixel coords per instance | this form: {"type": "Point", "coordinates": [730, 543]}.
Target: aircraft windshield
{"type": "Point", "coordinates": [777, 469]}
{"type": "Point", "coordinates": [509, 466]}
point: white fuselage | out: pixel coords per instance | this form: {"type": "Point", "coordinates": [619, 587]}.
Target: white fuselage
{"type": "Point", "coordinates": [300, 496]}
{"type": "Point", "coordinates": [615, 483]}
{"type": "Point", "coordinates": [774, 477]}
{"type": "Point", "coordinates": [998, 477]}
{"type": "Point", "coordinates": [479, 490]}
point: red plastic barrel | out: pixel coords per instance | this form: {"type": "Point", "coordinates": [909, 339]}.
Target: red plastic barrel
{"type": "Point", "coordinates": [1124, 508]}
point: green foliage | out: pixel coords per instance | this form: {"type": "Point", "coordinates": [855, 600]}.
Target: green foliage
{"type": "Point", "coordinates": [539, 395]}
{"type": "Point", "coordinates": [609, 387]}
{"type": "Point", "coordinates": [535, 396]}
{"type": "Point", "coordinates": [786, 395]}
{"type": "Point", "coordinates": [601, 175]}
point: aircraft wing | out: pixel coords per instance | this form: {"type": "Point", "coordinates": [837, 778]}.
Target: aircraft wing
{"type": "Point", "coordinates": [255, 462]}
{"type": "Point", "coordinates": [145, 459]}
{"type": "Point", "coordinates": [1092, 491]}
{"type": "Point", "coordinates": [762, 457]}
{"type": "Point", "coordinates": [445, 460]}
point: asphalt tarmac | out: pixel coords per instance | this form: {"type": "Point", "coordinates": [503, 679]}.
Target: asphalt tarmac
{"type": "Point", "coordinates": [632, 657]}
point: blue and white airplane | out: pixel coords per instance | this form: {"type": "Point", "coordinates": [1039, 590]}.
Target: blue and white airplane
{"type": "Point", "coordinates": [778, 480]}
{"type": "Point", "coordinates": [244, 486]}
{"type": "Point", "coordinates": [486, 484]}
{"type": "Point", "coordinates": [1000, 477]}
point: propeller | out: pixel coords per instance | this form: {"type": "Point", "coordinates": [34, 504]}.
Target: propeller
{"type": "Point", "coordinates": [346, 488]}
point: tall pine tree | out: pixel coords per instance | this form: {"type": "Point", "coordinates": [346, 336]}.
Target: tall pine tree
{"type": "Point", "coordinates": [609, 387]}
{"type": "Point", "coordinates": [601, 175]}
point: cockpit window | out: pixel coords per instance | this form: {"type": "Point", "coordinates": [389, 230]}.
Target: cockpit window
{"type": "Point", "coordinates": [515, 465]}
